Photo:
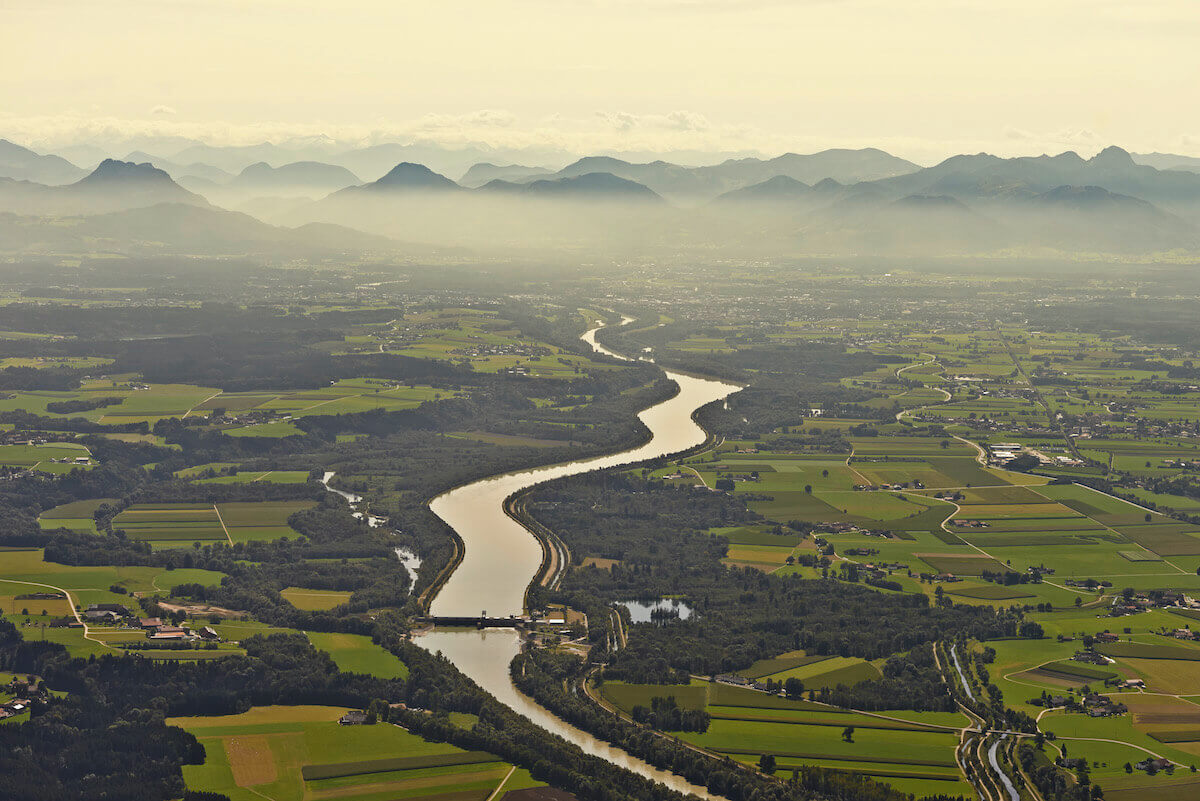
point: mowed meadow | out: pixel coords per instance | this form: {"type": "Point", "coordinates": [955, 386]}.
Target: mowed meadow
{"type": "Point", "coordinates": [912, 751]}
{"type": "Point", "coordinates": [302, 753]}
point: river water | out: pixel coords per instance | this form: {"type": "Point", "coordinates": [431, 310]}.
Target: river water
{"type": "Point", "coordinates": [406, 555]}
{"type": "Point", "coordinates": [502, 557]}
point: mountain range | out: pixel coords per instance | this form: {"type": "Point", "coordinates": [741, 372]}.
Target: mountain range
{"type": "Point", "coordinates": [22, 164]}
{"type": "Point", "coordinates": [112, 186]}
{"type": "Point", "coordinates": [854, 201]}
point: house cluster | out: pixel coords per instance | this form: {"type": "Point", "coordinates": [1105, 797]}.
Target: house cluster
{"type": "Point", "coordinates": [1154, 765]}
{"type": "Point", "coordinates": [1093, 705]}
{"type": "Point", "coordinates": [742, 681]}
{"type": "Point", "coordinates": [79, 460]}
{"type": "Point", "coordinates": [10, 709]}
{"type": "Point", "coordinates": [1004, 452]}
{"type": "Point", "coordinates": [1091, 658]}
{"type": "Point", "coordinates": [1087, 583]}
{"type": "Point", "coordinates": [483, 351]}
{"type": "Point", "coordinates": [1182, 464]}
{"type": "Point", "coordinates": [835, 528]}
{"type": "Point", "coordinates": [1101, 706]}
{"type": "Point", "coordinates": [17, 436]}
{"type": "Point", "coordinates": [946, 577]}
{"type": "Point", "coordinates": [158, 631]}
{"type": "Point", "coordinates": [106, 613]}
{"type": "Point", "coordinates": [970, 524]}
{"type": "Point", "coordinates": [21, 695]}
{"type": "Point", "coordinates": [1140, 602]}
{"type": "Point", "coordinates": [876, 572]}
{"type": "Point", "coordinates": [898, 486]}
{"type": "Point", "coordinates": [154, 628]}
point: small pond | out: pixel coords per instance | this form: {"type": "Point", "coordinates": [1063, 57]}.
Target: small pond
{"type": "Point", "coordinates": [657, 611]}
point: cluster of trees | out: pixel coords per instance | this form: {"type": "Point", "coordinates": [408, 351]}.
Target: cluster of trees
{"type": "Point", "coordinates": [72, 406]}
{"type": "Point", "coordinates": [107, 738]}
{"type": "Point", "coordinates": [784, 380]}
{"type": "Point", "coordinates": [910, 681]}
{"type": "Point", "coordinates": [1053, 783]}
{"type": "Point", "coordinates": [665, 713]}
{"type": "Point", "coordinates": [739, 615]}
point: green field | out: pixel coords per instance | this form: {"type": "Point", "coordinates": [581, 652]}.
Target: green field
{"type": "Point", "coordinates": [56, 457]}
{"type": "Point", "coordinates": [76, 515]}
{"type": "Point", "coordinates": [177, 525]}
{"type": "Point", "coordinates": [905, 749]}
{"type": "Point", "coordinates": [25, 571]}
{"type": "Point", "coordinates": [314, 600]}
{"type": "Point", "coordinates": [355, 653]}
{"type": "Point", "coordinates": [297, 753]}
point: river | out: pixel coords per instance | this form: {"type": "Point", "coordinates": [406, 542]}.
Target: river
{"type": "Point", "coordinates": [501, 558]}
{"type": "Point", "coordinates": [406, 555]}
{"type": "Point", "coordinates": [1009, 787]}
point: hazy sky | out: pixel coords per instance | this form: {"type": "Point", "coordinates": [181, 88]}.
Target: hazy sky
{"type": "Point", "coordinates": [922, 78]}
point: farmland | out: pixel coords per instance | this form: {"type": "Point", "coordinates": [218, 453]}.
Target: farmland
{"type": "Point", "coordinates": [914, 754]}
{"type": "Point", "coordinates": [293, 753]}
{"type": "Point", "coordinates": [355, 653]}
{"type": "Point", "coordinates": [905, 458]}
{"type": "Point", "coordinates": [922, 502]}
{"type": "Point", "coordinates": [24, 572]}
{"type": "Point", "coordinates": [180, 524]}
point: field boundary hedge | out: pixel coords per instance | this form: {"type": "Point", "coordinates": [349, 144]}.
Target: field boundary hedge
{"type": "Point", "coordinates": [929, 763]}
{"type": "Point", "coordinates": [342, 769]}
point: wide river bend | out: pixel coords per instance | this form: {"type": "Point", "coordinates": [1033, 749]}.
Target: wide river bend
{"type": "Point", "coordinates": [501, 558]}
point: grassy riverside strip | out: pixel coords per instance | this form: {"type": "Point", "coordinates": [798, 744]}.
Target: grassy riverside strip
{"type": "Point", "coordinates": [556, 557]}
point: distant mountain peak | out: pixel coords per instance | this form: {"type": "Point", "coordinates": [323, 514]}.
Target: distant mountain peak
{"type": "Point", "coordinates": [776, 188]}
{"type": "Point", "coordinates": [1113, 156]}
{"type": "Point", "coordinates": [594, 185]}
{"type": "Point", "coordinates": [301, 176]}
{"type": "Point", "coordinates": [1083, 197]}
{"type": "Point", "coordinates": [114, 171]}
{"type": "Point", "coordinates": [409, 175]}
{"type": "Point", "coordinates": [22, 163]}
{"type": "Point", "coordinates": [485, 172]}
